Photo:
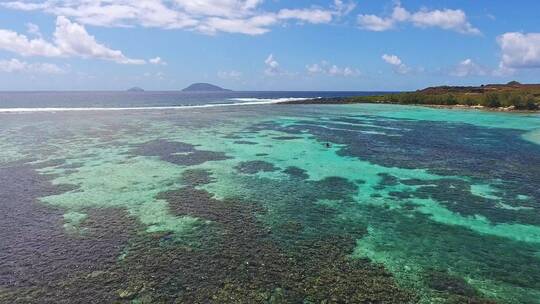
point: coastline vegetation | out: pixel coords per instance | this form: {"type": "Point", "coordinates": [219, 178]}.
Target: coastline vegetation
{"type": "Point", "coordinates": [511, 96]}
{"type": "Point", "coordinates": [515, 100]}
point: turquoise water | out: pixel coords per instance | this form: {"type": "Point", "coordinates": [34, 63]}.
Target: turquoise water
{"type": "Point", "coordinates": [271, 204]}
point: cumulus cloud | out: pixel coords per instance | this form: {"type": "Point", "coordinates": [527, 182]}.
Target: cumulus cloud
{"type": "Point", "coordinates": [391, 59]}
{"type": "Point", "coordinates": [467, 68]}
{"type": "Point", "coordinates": [447, 19]}
{"type": "Point", "coordinates": [272, 66]}
{"type": "Point", "coordinates": [207, 16]}
{"type": "Point", "coordinates": [314, 16]}
{"type": "Point", "coordinates": [519, 50]}
{"type": "Point", "coordinates": [344, 7]}
{"type": "Point", "coordinates": [221, 8]}
{"type": "Point", "coordinates": [375, 23]}
{"type": "Point", "coordinates": [157, 61]}
{"type": "Point", "coordinates": [325, 68]}
{"type": "Point", "coordinates": [256, 25]}
{"type": "Point", "coordinates": [15, 65]}
{"type": "Point", "coordinates": [20, 44]}
{"type": "Point", "coordinates": [70, 40]}
{"type": "Point", "coordinates": [396, 63]}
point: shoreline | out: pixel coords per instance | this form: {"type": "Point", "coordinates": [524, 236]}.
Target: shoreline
{"type": "Point", "coordinates": [479, 108]}
{"type": "Point", "coordinates": [348, 101]}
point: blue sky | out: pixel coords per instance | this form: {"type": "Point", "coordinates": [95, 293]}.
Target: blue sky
{"type": "Point", "coordinates": [266, 44]}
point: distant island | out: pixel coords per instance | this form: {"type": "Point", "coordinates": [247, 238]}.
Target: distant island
{"type": "Point", "coordinates": [503, 97]}
{"type": "Point", "coordinates": [136, 89]}
{"type": "Point", "coordinates": [204, 87]}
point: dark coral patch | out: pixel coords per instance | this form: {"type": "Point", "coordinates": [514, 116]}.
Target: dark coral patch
{"type": "Point", "coordinates": [253, 167]}
{"type": "Point", "coordinates": [241, 261]}
{"type": "Point", "coordinates": [295, 172]}
{"type": "Point", "coordinates": [178, 153]}
{"type": "Point", "coordinates": [336, 188]}
{"type": "Point", "coordinates": [196, 158]}
{"type": "Point", "coordinates": [244, 142]}
{"type": "Point", "coordinates": [443, 281]}
{"type": "Point", "coordinates": [388, 180]}
{"type": "Point", "coordinates": [162, 148]}
{"type": "Point", "coordinates": [197, 177]}
{"type": "Point", "coordinates": [295, 203]}
{"type": "Point", "coordinates": [457, 290]}
{"type": "Point", "coordinates": [41, 262]}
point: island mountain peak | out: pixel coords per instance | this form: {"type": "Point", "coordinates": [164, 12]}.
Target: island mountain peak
{"type": "Point", "coordinates": [204, 87]}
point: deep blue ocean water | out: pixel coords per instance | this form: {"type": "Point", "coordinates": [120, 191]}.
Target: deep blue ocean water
{"type": "Point", "coordinates": [78, 99]}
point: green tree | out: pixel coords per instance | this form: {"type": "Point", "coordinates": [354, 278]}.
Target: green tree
{"type": "Point", "coordinates": [491, 100]}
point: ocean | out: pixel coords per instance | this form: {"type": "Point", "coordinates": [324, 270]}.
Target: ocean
{"type": "Point", "coordinates": [118, 99]}
{"type": "Point", "coordinates": [165, 197]}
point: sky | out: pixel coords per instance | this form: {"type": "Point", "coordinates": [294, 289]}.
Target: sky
{"type": "Point", "coordinates": [341, 45]}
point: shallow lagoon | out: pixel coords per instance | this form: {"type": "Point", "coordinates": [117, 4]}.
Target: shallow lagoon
{"type": "Point", "coordinates": [248, 204]}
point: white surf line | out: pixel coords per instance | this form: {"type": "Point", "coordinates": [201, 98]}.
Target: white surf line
{"type": "Point", "coordinates": [249, 103]}
{"type": "Point", "coordinates": [277, 100]}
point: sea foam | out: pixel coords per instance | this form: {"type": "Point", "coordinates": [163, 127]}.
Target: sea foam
{"type": "Point", "coordinates": [242, 102]}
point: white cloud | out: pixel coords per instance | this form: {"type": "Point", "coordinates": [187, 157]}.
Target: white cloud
{"type": "Point", "coordinates": [22, 45]}
{"type": "Point", "coordinates": [73, 40]}
{"type": "Point", "coordinates": [391, 59]}
{"type": "Point", "coordinates": [375, 23]}
{"type": "Point", "coordinates": [325, 68]}
{"type": "Point", "coordinates": [147, 13]}
{"type": "Point", "coordinates": [502, 71]}
{"type": "Point", "coordinates": [344, 8]}
{"type": "Point", "coordinates": [314, 68]}
{"type": "Point", "coordinates": [396, 63]}
{"type": "Point", "coordinates": [346, 71]}
{"type": "Point", "coordinates": [220, 8]}
{"type": "Point", "coordinates": [26, 6]}
{"type": "Point", "coordinates": [256, 25]}
{"type": "Point", "coordinates": [33, 29]}
{"type": "Point", "coordinates": [519, 50]}
{"type": "Point", "coordinates": [207, 16]}
{"type": "Point", "coordinates": [15, 65]}
{"type": "Point", "coordinates": [400, 14]}
{"type": "Point", "coordinates": [447, 19]}
{"type": "Point", "coordinates": [229, 74]}
{"type": "Point", "coordinates": [157, 61]}
{"type": "Point", "coordinates": [47, 68]}
{"type": "Point", "coordinates": [314, 16]}
{"type": "Point", "coordinates": [467, 68]}
{"type": "Point", "coordinates": [70, 40]}
{"type": "Point", "coordinates": [272, 66]}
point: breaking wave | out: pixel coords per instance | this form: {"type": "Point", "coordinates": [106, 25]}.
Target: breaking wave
{"type": "Point", "coordinates": [242, 102]}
